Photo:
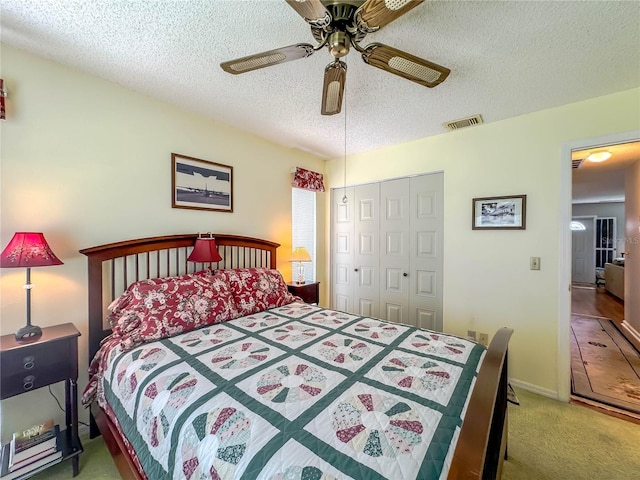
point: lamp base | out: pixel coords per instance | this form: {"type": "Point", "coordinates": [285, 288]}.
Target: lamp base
{"type": "Point", "coordinates": [300, 279]}
{"type": "Point", "coordinates": [28, 332]}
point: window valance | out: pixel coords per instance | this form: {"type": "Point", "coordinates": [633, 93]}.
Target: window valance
{"type": "Point", "coordinates": [308, 180]}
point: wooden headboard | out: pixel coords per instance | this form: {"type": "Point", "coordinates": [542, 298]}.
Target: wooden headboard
{"type": "Point", "coordinates": [113, 267]}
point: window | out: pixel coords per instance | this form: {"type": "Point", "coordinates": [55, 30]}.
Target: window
{"type": "Point", "coordinates": [303, 227]}
{"type": "Point", "coordinates": [605, 240]}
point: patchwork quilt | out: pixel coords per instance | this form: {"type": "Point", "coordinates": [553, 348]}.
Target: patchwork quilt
{"type": "Point", "coordinates": [294, 392]}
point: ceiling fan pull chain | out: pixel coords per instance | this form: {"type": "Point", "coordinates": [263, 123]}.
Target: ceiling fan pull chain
{"type": "Point", "coordinates": [344, 191]}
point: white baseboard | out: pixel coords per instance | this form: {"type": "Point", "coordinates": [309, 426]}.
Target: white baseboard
{"type": "Point", "coordinates": [534, 388]}
{"type": "Point", "coordinates": [631, 333]}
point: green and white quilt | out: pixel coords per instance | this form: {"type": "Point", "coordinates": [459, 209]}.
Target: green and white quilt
{"type": "Point", "coordinates": [295, 392]}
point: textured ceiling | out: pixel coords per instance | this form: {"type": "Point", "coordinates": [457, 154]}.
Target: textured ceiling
{"type": "Point", "coordinates": [507, 59]}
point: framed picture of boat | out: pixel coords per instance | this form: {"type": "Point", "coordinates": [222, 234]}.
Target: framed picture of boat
{"type": "Point", "coordinates": [500, 213]}
{"type": "Point", "coordinates": [201, 185]}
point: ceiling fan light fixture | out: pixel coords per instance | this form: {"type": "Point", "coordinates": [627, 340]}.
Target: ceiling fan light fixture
{"type": "Point", "coordinates": [338, 44]}
{"type": "Point", "coordinates": [335, 76]}
{"type": "Point", "coordinates": [597, 157]}
{"type": "Point", "coordinates": [340, 25]}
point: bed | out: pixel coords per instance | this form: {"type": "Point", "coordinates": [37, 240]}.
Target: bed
{"type": "Point", "coordinates": [291, 391]}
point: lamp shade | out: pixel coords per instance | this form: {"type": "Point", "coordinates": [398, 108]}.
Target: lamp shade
{"type": "Point", "coordinates": [28, 249]}
{"type": "Point", "coordinates": [204, 251]}
{"type": "Point", "coordinates": [300, 254]}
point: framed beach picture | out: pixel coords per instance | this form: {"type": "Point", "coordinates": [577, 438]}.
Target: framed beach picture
{"type": "Point", "coordinates": [500, 213]}
{"type": "Point", "coordinates": [201, 185]}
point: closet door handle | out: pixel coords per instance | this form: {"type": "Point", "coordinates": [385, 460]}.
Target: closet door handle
{"type": "Point", "coordinates": [405, 274]}
{"type": "Point", "coordinates": [355, 270]}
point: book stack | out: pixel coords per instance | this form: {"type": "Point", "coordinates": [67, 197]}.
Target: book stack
{"type": "Point", "coordinates": [30, 451]}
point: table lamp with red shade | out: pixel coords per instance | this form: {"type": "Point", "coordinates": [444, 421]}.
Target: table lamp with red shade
{"type": "Point", "coordinates": [205, 250]}
{"type": "Point", "coordinates": [26, 250]}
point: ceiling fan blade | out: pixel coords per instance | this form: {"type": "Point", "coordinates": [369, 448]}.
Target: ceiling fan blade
{"type": "Point", "coordinates": [335, 76]}
{"type": "Point", "coordinates": [313, 11]}
{"type": "Point", "coordinates": [375, 14]}
{"type": "Point", "coordinates": [266, 59]}
{"type": "Point", "coordinates": [405, 65]}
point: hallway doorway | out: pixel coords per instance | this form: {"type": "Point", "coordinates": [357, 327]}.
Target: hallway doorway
{"type": "Point", "coordinates": [568, 164]}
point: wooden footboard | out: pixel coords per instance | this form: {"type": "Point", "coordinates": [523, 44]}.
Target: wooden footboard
{"type": "Point", "coordinates": [481, 446]}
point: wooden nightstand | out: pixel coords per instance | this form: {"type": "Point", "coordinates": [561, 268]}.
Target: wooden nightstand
{"type": "Point", "coordinates": [52, 358]}
{"type": "Point", "coordinates": [309, 292]}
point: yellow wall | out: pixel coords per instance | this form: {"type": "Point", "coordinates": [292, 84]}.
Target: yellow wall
{"type": "Point", "coordinates": [88, 162]}
{"type": "Point", "coordinates": [487, 281]}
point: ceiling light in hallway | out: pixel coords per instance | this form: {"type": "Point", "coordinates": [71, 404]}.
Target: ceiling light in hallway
{"type": "Point", "coordinates": [599, 156]}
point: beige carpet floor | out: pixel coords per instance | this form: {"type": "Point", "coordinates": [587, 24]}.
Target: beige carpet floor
{"type": "Point", "coordinates": [548, 440]}
{"type": "Point", "coordinates": [604, 365]}
{"type": "Point", "coordinates": [551, 440]}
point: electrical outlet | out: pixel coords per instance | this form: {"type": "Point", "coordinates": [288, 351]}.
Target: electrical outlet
{"type": "Point", "coordinates": [534, 263]}
{"type": "Point", "coordinates": [471, 334]}
{"type": "Point", "coordinates": [483, 338]}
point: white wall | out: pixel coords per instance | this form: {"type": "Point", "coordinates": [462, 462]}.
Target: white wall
{"type": "Point", "coordinates": [88, 162]}
{"type": "Point", "coordinates": [611, 209]}
{"type": "Point", "coordinates": [632, 257]}
{"type": "Point", "coordinates": [487, 281]}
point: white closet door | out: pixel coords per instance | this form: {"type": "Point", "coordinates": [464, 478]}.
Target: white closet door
{"type": "Point", "coordinates": [426, 256]}
{"type": "Point", "coordinates": [342, 250]}
{"type": "Point", "coordinates": [367, 250]}
{"type": "Point", "coordinates": [394, 250]}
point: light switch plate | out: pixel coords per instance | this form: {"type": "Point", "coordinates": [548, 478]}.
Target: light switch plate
{"type": "Point", "coordinates": [534, 263]}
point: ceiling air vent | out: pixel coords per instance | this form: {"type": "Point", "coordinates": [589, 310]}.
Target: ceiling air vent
{"type": "Point", "coordinates": [464, 122]}
{"type": "Point", "coordinates": [577, 163]}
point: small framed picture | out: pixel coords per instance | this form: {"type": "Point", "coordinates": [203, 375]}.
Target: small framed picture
{"type": "Point", "coordinates": [500, 213]}
{"type": "Point", "coordinates": [201, 185]}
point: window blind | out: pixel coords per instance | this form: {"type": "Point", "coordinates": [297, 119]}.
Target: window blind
{"type": "Point", "coordinates": [303, 227]}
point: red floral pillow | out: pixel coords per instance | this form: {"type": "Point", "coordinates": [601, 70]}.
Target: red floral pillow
{"type": "Point", "coordinates": [257, 289]}
{"type": "Point", "coordinates": [161, 308]}
{"type": "Point", "coordinates": [123, 301]}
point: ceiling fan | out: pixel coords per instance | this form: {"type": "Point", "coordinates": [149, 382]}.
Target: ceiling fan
{"type": "Point", "coordinates": [339, 25]}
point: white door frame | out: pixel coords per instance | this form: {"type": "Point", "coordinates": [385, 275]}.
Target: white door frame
{"type": "Point", "coordinates": [564, 263]}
